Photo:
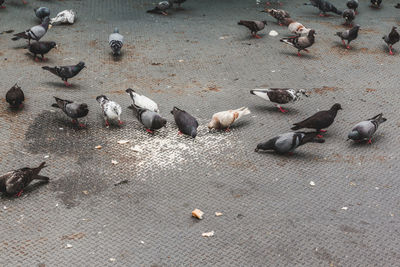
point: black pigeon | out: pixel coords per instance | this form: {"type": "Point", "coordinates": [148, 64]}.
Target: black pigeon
{"type": "Point", "coordinates": [187, 124]}
{"type": "Point", "coordinates": [254, 26]}
{"type": "Point", "coordinates": [151, 120]}
{"type": "Point", "coordinates": [13, 182]}
{"type": "Point", "coordinates": [41, 48]}
{"type": "Point", "coordinates": [391, 39]}
{"type": "Point", "coordinates": [349, 15]}
{"type": "Point", "coordinates": [66, 72]}
{"type": "Point", "coordinates": [288, 142]}
{"type": "Point", "coordinates": [34, 33]}
{"type": "Point", "coordinates": [42, 12]}
{"type": "Point", "coordinates": [364, 130]}
{"type": "Point", "coordinates": [320, 120]}
{"type": "Point", "coordinates": [72, 109]}
{"type": "Point", "coordinates": [324, 6]}
{"type": "Point", "coordinates": [279, 95]}
{"type": "Point", "coordinates": [301, 42]}
{"type": "Point", "coordinates": [352, 4]}
{"type": "Point", "coordinates": [279, 14]}
{"type": "Point", "coordinates": [397, 6]}
{"type": "Point", "coordinates": [161, 8]}
{"type": "Point", "coordinates": [15, 97]}
{"type": "Point", "coordinates": [1, 4]}
{"type": "Point", "coordinates": [376, 3]}
{"type": "Point", "coordinates": [349, 35]}
{"type": "Point", "coordinates": [179, 2]}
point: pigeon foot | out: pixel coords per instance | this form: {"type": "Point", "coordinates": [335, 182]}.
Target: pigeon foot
{"type": "Point", "coordinates": [323, 131]}
{"type": "Point", "coordinates": [282, 110]}
{"type": "Point", "coordinates": [320, 136]}
{"type": "Point", "coordinates": [19, 193]}
{"type": "Point", "coordinates": [149, 131]}
{"type": "Point", "coordinates": [67, 84]}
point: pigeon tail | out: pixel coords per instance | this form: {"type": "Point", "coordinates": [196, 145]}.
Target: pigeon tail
{"type": "Point", "coordinates": [296, 127]}
{"type": "Point", "coordinates": [38, 169]}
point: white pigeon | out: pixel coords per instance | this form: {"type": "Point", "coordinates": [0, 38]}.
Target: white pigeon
{"type": "Point", "coordinates": [111, 110]}
{"type": "Point", "coordinates": [279, 95]}
{"type": "Point", "coordinates": [142, 101]}
{"type": "Point", "coordinates": [116, 41]}
{"type": "Point", "coordinates": [224, 119]}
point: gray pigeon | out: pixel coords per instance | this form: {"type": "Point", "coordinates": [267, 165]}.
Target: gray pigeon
{"type": "Point", "coordinates": [288, 142]}
{"type": "Point", "coordinates": [349, 35]}
{"type": "Point", "coordinates": [187, 124]}
{"type": "Point", "coordinates": [13, 182]}
{"type": "Point", "coordinates": [111, 110]}
{"type": "Point", "coordinates": [42, 12]}
{"type": "Point", "coordinates": [161, 8]}
{"type": "Point", "coordinates": [35, 33]}
{"type": "Point", "coordinates": [301, 42]}
{"type": "Point", "coordinates": [116, 41]}
{"type": "Point", "coordinates": [352, 4]}
{"type": "Point", "coordinates": [72, 109]}
{"type": "Point", "coordinates": [366, 129]}
{"type": "Point", "coordinates": [324, 6]}
{"type": "Point", "coordinates": [254, 26]}
{"type": "Point", "coordinates": [392, 38]}
{"type": "Point", "coordinates": [151, 120]}
{"type": "Point", "coordinates": [66, 72]}
{"type": "Point", "coordinates": [349, 15]}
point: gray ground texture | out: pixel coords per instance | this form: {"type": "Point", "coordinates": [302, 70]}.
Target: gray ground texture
{"type": "Point", "coordinates": [200, 60]}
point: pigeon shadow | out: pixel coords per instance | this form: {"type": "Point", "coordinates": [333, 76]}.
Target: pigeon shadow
{"type": "Point", "coordinates": [62, 85]}
{"type": "Point", "coordinates": [297, 155]}
{"type": "Point", "coordinates": [117, 58]}
{"type": "Point", "coordinates": [25, 46]}
{"type": "Point", "coordinates": [27, 190]}
{"type": "Point", "coordinates": [32, 57]}
{"type": "Point", "coordinates": [364, 143]}
{"type": "Point", "coordinates": [304, 55]}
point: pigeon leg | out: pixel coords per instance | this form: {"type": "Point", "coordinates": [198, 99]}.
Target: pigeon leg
{"type": "Point", "coordinates": [120, 122]}
{"type": "Point", "coordinates": [348, 45]}
{"type": "Point", "coordinates": [306, 50]}
{"type": "Point", "coordinates": [36, 59]}
{"type": "Point", "coordinates": [268, 3]}
{"type": "Point", "coordinates": [319, 136]}
{"type": "Point", "coordinates": [164, 13]}
{"type": "Point", "coordinates": [81, 125]}
{"type": "Point", "coordinates": [369, 142]}
{"type": "Point", "coordinates": [149, 131]}
{"type": "Point", "coordinates": [67, 84]}
{"type": "Point", "coordinates": [227, 130]}
{"type": "Point", "coordinates": [298, 53]}
{"type": "Point", "coordinates": [290, 153]}
{"type": "Point", "coordinates": [107, 124]}
{"type": "Point", "coordinates": [390, 50]}
{"type": "Point", "coordinates": [21, 105]}
{"type": "Point", "coordinates": [179, 132]}
{"type": "Point", "coordinates": [24, 2]}
{"type": "Point", "coordinates": [3, 7]}
{"type": "Point", "coordinates": [282, 110]}
{"type": "Point", "coordinates": [344, 43]}
{"type": "Point", "coordinates": [19, 193]}
{"type": "Point", "coordinates": [43, 58]}
{"type": "Point", "coordinates": [323, 131]}
{"type": "Point", "coordinates": [74, 121]}
{"type": "Point", "coordinates": [257, 36]}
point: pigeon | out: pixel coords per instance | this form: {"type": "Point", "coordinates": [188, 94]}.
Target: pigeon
{"type": "Point", "coordinates": [142, 101]}
{"type": "Point", "coordinates": [14, 182]}
{"type": "Point", "coordinates": [254, 26]}
{"type": "Point", "coordinates": [286, 143]}
{"type": "Point", "coordinates": [179, 2]}
{"type": "Point", "coordinates": [42, 12]}
{"type": "Point", "coordinates": [72, 109]}
{"type": "Point", "coordinates": [111, 110]}
{"type": "Point", "coordinates": [349, 15]}
{"type": "Point", "coordinates": [295, 27]}
{"type": "Point", "coordinates": [324, 6]}
{"type": "Point", "coordinates": [66, 72]}
{"type": "Point", "coordinates": [224, 119]}
{"type": "Point", "coordinates": [116, 41]}
{"type": "Point", "coordinates": [352, 4]}
{"type": "Point", "coordinates": [35, 33]}
{"type": "Point", "coordinates": [15, 97]}
{"type": "Point", "coordinates": [397, 6]}
{"type": "Point", "coordinates": [161, 8]}
{"type": "Point", "coordinates": [41, 48]}
{"type": "Point", "coordinates": [301, 42]}
{"type": "Point", "coordinates": [1, 4]}
{"type": "Point", "coordinates": [187, 124]}
{"type": "Point", "coordinates": [279, 95]}
{"type": "Point", "coordinates": [349, 35]}
{"type": "Point", "coordinates": [391, 39]}
{"type": "Point", "coordinates": [376, 3]}
{"type": "Point", "coordinates": [278, 14]}
{"type": "Point", "coordinates": [366, 129]}
{"type": "Point", "coordinates": [151, 120]}
{"type": "Point", "coordinates": [320, 120]}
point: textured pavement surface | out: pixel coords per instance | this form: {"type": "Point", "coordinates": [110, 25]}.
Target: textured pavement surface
{"type": "Point", "coordinates": [200, 60]}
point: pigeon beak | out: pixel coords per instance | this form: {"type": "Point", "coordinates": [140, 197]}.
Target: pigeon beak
{"type": "Point", "coordinates": [256, 150]}
{"type": "Point", "coordinates": [56, 47]}
{"type": "Point", "coordinates": [50, 26]}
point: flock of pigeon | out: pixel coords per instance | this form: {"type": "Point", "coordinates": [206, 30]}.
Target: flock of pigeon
{"type": "Point", "coordinates": [148, 113]}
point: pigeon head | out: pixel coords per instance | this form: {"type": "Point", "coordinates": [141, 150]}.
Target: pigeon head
{"type": "Point", "coordinates": [193, 133]}
{"type": "Point", "coordinates": [213, 124]}
{"type": "Point", "coordinates": [116, 30]}
{"type": "Point", "coordinates": [354, 135]}
{"type": "Point", "coordinates": [311, 33]}
{"type": "Point", "coordinates": [53, 45]}
{"type": "Point", "coordinates": [265, 22]}
{"type": "Point", "coordinates": [129, 90]}
{"type": "Point", "coordinates": [81, 65]}
{"type": "Point", "coordinates": [301, 92]}
{"type": "Point", "coordinates": [84, 108]}
{"type": "Point", "coordinates": [101, 98]}
{"type": "Point", "coordinates": [336, 107]}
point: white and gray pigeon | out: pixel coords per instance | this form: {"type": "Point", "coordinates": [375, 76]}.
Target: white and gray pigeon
{"type": "Point", "coordinates": [161, 8]}
{"type": "Point", "coordinates": [364, 130]}
{"type": "Point", "coordinates": [116, 41]}
{"type": "Point", "coordinates": [349, 35]}
{"type": "Point", "coordinates": [288, 142]}
{"type": "Point", "coordinates": [142, 101]}
{"type": "Point", "coordinates": [72, 109]}
{"type": "Point", "coordinates": [301, 42]}
{"type": "Point", "coordinates": [151, 120]}
{"type": "Point", "coordinates": [34, 33]}
{"type": "Point", "coordinates": [279, 95]}
{"type": "Point", "coordinates": [111, 110]}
